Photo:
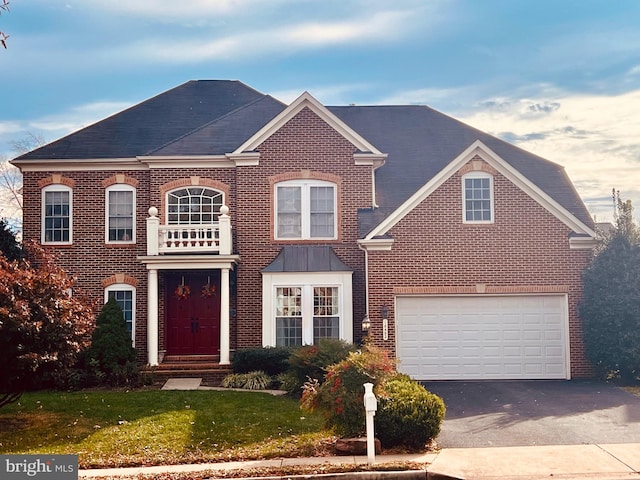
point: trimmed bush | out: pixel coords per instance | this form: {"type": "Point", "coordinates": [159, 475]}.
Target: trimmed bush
{"type": "Point", "coordinates": [311, 362]}
{"type": "Point", "coordinates": [340, 397]}
{"type": "Point", "coordinates": [408, 415]}
{"type": "Point", "coordinates": [111, 358]}
{"type": "Point", "coordinates": [257, 380]}
{"type": "Point", "coordinates": [271, 360]}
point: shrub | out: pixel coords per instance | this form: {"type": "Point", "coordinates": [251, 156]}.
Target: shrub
{"type": "Point", "coordinates": [311, 362]}
{"type": "Point", "coordinates": [271, 360]}
{"type": "Point", "coordinates": [257, 380]}
{"type": "Point", "coordinates": [111, 358]}
{"type": "Point", "coordinates": [609, 309]}
{"type": "Point", "coordinates": [340, 397]}
{"type": "Point", "coordinates": [408, 414]}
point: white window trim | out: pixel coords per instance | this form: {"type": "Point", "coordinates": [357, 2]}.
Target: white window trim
{"type": "Point", "coordinates": [119, 188]}
{"type": "Point", "coordinates": [132, 289]}
{"type": "Point", "coordinates": [464, 197]}
{"type": "Point", "coordinates": [306, 185]}
{"type": "Point", "coordinates": [55, 188]}
{"type": "Point", "coordinates": [306, 280]}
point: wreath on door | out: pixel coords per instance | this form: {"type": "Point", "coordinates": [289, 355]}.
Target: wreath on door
{"type": "Point", "coordinates": [182, 291]}
{"type": "Point", "coordinates": [208, 290]}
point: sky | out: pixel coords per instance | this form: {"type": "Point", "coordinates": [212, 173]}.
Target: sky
{"type": "Point", "coordinates": [559, 78]}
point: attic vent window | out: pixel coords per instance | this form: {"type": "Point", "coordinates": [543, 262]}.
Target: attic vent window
{"type": "Point", "coordinates": [477, 198]}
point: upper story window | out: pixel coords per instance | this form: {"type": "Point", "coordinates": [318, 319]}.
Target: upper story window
{"type": "Point", "coordinates": [120, 214]}
{"type": "Point", "coordinates": [125, 297]}
{"type": "Point", "coordinates": [57, 202]}
{"type": "Point", "coordinates": [306, 209]}
{"type": "Point", "coordinates": [193, 206]}
{"type": "Point", "coordinates": [477, 197]}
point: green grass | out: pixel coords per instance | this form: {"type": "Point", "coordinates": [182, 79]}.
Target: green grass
{"type": "Point", "coordinates": [109, 429]}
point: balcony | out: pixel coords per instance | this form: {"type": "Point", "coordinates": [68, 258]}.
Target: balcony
{"type": "Point", "coordinates": [213, 238]}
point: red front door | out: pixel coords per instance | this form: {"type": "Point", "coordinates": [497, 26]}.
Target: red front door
{"type": "Point", "coordinates": [193, 313]}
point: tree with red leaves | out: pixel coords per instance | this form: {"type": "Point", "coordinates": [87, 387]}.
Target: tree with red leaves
{"type": "Point", "coordinates": [43, 322]}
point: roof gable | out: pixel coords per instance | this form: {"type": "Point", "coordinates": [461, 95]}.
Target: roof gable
{"type": "Point", "coordinates": [307, 101]}
{"type": "Point", "coordinates": [478, 148]}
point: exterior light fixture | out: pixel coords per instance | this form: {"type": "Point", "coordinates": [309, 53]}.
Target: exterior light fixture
{"type": "Point", "coordinates": [366, 324]}
{"type": "Point", "coordinates": [384, 311]}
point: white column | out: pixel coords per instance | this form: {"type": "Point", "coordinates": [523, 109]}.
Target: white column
{"type": "Point", "coordinates": [153, 222]}
{"type": "Point", "coordinates": [225, 358]}
{"type": "Point", "coordinates": [152, 317]}
{"type": "Point", "coordinates": [224, 224]}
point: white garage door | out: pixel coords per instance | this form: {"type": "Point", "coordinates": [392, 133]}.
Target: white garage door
{"type": "Point", "coordinates": [473, 337]}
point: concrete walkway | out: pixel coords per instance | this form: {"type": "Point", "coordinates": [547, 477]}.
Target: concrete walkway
{"type": "Point", "coordinates": [611, 461]}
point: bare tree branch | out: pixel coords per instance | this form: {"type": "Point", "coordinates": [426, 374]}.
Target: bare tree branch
{"type": "Point", "coordinates": [4, 7]}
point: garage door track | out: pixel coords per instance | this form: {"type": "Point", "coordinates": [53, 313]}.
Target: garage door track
{"type": "Point", "coordinates": [528, 413]}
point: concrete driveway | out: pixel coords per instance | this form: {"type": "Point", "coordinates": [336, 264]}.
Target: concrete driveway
{"type": "Point", "coordinates": [527, 413]}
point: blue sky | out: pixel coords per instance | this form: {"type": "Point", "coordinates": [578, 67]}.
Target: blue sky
{"type": "Point", "coordinates": [560, 78]}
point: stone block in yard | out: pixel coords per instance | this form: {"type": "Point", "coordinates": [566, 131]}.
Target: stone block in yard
{"type": "Point", "coordinates": [355, 446]}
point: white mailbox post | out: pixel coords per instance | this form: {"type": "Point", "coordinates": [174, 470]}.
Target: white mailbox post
{"type": "Point", "coordinates": [370, 406]}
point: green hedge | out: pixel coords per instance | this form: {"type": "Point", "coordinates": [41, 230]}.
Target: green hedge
{"type": "Point", "coordinates": [408, 414]}
{"type": "Point", "coordinates": [271, 360]}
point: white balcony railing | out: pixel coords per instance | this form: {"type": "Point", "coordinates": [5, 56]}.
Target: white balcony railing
{"type": "Point", "coordinates": [170, 239]}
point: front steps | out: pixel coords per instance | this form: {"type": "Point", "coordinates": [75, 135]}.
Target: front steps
{"type": "Point", "coordinates": [206, 367]}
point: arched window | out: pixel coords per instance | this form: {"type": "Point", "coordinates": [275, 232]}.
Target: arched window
{"type": "Point", "coordinates": [193, 206]}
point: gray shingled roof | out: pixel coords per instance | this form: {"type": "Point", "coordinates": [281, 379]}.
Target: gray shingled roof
{"type": "Point", "coordinates": [421, 141]}
{"type": "Point", "coordinates": [154, 123]}
{"type": "Point", "coordinates": [210, 117]}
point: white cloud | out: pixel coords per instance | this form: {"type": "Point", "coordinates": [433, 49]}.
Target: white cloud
{"type": "Point", "coordinates": [376, 28]}
{"type": "Point", "coordinates": [595, 137]}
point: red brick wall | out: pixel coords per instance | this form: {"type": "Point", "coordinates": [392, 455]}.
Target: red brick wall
{"type": "Point", "coordinates": [88, 258]}
{"type": "Point", "coordinates": [525, 250]}
{"type": "Point", "coordinates": [304, 146]}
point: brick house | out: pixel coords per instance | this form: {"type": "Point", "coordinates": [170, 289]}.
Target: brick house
{"type": "Point", "coordinates": [220, 218]}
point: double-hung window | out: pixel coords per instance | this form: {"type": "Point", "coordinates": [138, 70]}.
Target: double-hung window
{"type": "Point", "coordinates": [306, 209]}
{"type": "Point", "coordinates": [121, 214]}
{"type": "Point", "coordinates": [303, 308]}
{"type": "Point", "coordinates": [125, 297]}
{"type": "Point", "coordinates": [306, 314]}
{"type": "Point", "coordinates": [477, 198]}
{"type": "Point", "coordinates": [57, 214]}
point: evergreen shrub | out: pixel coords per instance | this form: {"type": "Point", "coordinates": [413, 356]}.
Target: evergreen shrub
{"type": "Point", "coordinates": [271, 360]}
{"type": "Point", "coordinates": [408, 415]}
{"type": "Point", "coordinates": [111, 359]}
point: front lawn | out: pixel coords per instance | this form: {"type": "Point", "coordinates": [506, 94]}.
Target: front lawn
{"type": "Point", "coordinates": [156, 427]}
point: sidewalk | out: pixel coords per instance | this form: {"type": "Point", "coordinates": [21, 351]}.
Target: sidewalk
{"type": "Point", "coordinates": [566, 462]}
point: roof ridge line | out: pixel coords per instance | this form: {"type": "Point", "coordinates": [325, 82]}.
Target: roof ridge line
{"type": "Point", "coordinates": [210, 122]}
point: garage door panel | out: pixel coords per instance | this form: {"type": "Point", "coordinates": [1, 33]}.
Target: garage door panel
{"type": "Point", "coordinates": [509, 337]}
